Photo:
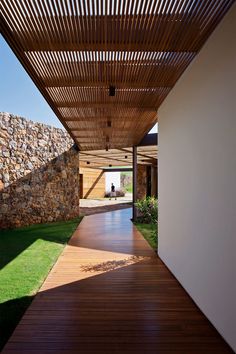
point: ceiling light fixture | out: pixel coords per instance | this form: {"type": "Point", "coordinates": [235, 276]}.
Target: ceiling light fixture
{"type": "Point", "coordinates": [112, 90]}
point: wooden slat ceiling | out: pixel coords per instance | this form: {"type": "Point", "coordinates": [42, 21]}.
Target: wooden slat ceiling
{"type": "Point", "coordinates": [146, 155]}
{"type": "Point", "coordinates": [74, 50]}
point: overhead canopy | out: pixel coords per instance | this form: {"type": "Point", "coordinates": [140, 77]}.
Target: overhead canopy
{"type": "Point", "coordinates": [146, 155]}
{"type": "Point", "coordinates": [77, 52]}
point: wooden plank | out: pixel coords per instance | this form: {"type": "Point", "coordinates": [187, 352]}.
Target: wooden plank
{"type": "Point", "coordinates": [105, 24]}
{"type": "Point", "coordinates": [110, 293]}
{"type": "Point", "coordinates": [93, 183]}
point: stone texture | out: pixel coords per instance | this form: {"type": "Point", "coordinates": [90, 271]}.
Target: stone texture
{"type": "Point", "coordinates": [141, 182]}
{"type": "Point", "coordinates": [126, 179]}
{"type": "Point", "coordinates": [39, 173]}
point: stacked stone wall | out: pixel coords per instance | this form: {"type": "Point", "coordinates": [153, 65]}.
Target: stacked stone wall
{"type": "Point", "coordinates": [141, 182]}
{"type": "Point", "coordinates": [126, 179]}
{"type": "Point", "coordinates": [39, 173]}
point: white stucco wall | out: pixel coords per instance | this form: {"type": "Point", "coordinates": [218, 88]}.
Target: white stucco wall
{"type": "Point", "coordinates": [197, 179]}
{"type": "Point", "coordinates": [112, 177]}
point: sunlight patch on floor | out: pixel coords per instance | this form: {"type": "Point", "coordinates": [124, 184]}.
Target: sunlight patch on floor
{"type": "Point", "coordinates": [78, 263]}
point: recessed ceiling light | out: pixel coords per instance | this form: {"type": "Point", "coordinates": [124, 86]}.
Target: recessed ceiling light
{"type": "Point", "coordinates": [112, 90]}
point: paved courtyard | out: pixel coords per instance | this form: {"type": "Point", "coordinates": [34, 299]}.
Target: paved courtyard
{"type": "Point", "coordinates": [101, 205]}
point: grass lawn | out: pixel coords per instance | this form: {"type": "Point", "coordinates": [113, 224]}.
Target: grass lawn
{"type": "Point", "coordinates": [26, 256]}
{"type": "Point", "coordinates": [149, 232]}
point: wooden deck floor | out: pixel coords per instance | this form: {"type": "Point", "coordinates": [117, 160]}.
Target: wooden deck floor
{"type": "Point", "coordinates": [109, 293]}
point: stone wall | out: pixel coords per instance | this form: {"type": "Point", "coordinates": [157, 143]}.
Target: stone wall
{"type": "Point", "coordinates": [126, 179]}
{"type": "Point", "coordinates": [141, 182]}
{"type": "Point", "coordinates": [39, 173]}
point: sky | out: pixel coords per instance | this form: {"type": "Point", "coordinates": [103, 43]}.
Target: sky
{"type": "Point", "coordinates": [18, 93]}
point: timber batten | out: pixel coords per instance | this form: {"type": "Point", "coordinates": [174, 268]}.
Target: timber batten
{"type": "Point", "coordinates": [74, 51]}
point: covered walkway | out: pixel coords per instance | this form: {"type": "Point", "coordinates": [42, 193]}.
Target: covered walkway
{"type": "Point", "coordinates": [109, 293]}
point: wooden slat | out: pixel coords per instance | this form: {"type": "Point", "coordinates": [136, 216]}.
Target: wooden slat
{"type": "Point", "coordinates": [104, 24]}
{"type": "Point", "coordinates": [93, 183]}
{"type": "Point", "coordinates": [120, 157]}
{"type": "Point", "coordinates": [110, 293]}
{"type": "Point", "coordinates": [67, 82]}
{"type": "Point", "coordinates": [101, 104]}
{"type": "Point", "coordinates": [75, 50]}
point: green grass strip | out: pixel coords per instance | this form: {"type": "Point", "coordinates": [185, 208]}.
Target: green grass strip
{"type": "Point", "coordinates": [149, 232]}
{"type": "Point", "coordinates": [26, 256]}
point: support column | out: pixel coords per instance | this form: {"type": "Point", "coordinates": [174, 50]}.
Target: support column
{"type": "Point", "coordinates": [134, 182]}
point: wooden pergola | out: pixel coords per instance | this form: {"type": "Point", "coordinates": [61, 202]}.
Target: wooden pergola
{"type": "Point", "coordinates": [147, 151]}
{"type": "Point", "coordinates": [105, 66]}
{"type": "Point", "coordinates": [118, 157]}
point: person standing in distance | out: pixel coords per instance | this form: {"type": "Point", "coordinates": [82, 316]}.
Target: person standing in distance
{"type": "Point", "coordinates": [113, 191]}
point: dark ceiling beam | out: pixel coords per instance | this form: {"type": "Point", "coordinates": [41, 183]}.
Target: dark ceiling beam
{"type": "Point", "coordinates": [124, 169]}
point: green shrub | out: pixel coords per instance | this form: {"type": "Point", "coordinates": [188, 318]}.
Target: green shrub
{"type": "Point", "coordinates": [147, 210]}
